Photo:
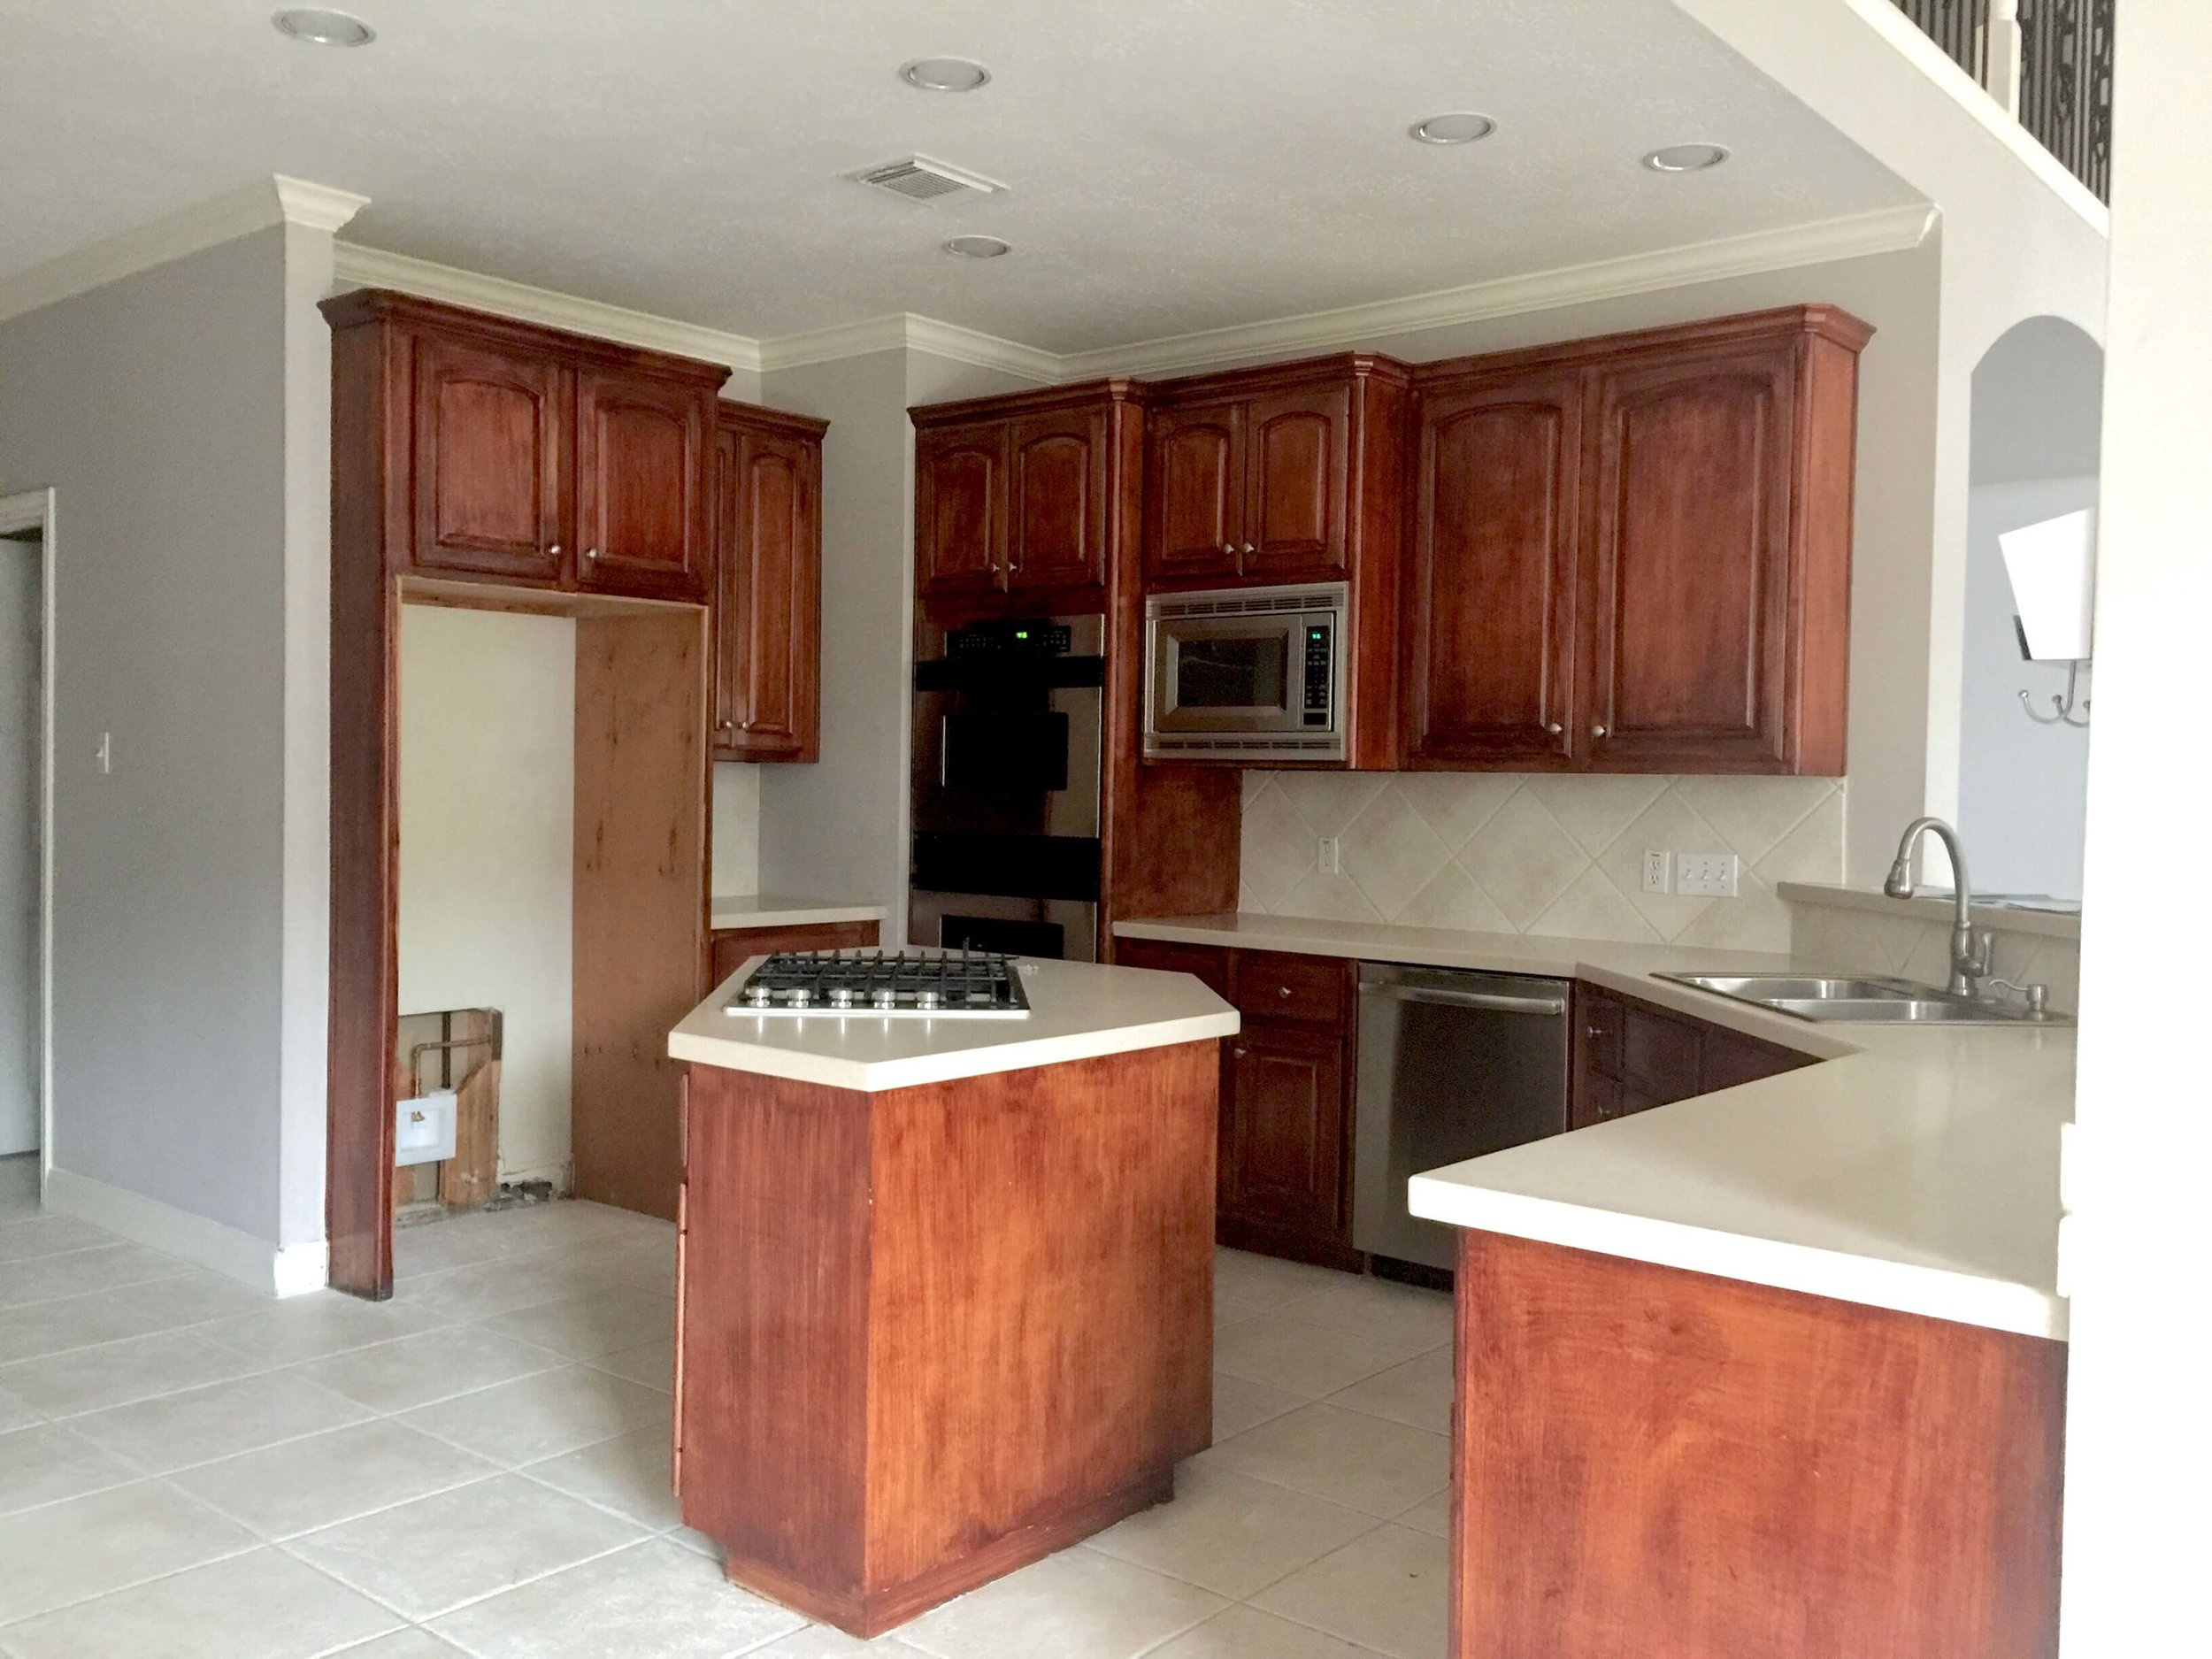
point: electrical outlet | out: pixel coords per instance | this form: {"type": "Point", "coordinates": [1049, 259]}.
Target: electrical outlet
{"type": "Point", "coordinates": [1706, 875]}
{"type": "Point", "coordinates": [104, 756]}
{"type": "Point", "coordinates": [1655, 872]}
{"type": "Point", "coordinates": [1332, 856]}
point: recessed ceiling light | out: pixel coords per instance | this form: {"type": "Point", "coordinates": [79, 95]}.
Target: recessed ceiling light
{"type": "Point", "coordinates": [944, 75]}
{"type": "Point", "coordinates": [978, 247]}
{"type": "Point", "coordinates": [1686, 158]}
{"type": "Point", "coordinates": [324, 28]}
{"type": "Point", "coordinates": [1461, 127]}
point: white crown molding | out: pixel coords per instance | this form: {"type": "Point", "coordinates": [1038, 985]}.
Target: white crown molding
{"type": "Point", "coordinates": [1888, 231]}
{"type": "Point", "coordinates": [374, 267]}
{"type": "Point", "coordinates": [906, 331]}
{"type": "Point", "coordinates": [276, 200]}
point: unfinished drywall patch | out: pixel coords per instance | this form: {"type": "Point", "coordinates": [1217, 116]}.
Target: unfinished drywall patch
{"type": "Point", "coordinates": [487, 816]}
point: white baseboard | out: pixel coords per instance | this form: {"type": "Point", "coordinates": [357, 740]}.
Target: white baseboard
{"type": "Point", "coordinates": [290, 1270]}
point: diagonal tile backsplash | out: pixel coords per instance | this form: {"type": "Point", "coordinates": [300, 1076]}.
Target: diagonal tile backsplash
{"type": "Point", "coordinates": [1556, 854]}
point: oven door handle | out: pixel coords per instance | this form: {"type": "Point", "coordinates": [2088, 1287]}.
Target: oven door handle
{"type": "Point", "coordinates": [1489, 1002]}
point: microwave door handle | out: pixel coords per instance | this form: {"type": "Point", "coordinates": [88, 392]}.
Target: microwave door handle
{"type": "Point", "coordinates": [1488, 1001]}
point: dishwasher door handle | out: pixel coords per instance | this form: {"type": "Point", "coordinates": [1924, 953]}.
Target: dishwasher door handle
{"type": "Point", "coordinates": [1553, 1006]}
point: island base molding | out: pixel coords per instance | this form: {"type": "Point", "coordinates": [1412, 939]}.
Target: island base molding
{"type": "Point", "coordinates": [927, 1335]}
{"type": "Point", "coordinates": [1678, 1466]}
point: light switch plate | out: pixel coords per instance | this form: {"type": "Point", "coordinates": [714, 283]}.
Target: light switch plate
{"type": "Point", "coordinates": [1655, 868]}
{"type": "Point", "coordinates": [1705, 875]}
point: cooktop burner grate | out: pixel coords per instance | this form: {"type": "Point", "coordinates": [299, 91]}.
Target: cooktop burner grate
{"type": "Point", "coordinates": [958, 985]}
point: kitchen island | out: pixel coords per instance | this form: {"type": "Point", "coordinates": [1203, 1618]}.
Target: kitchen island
{"type": "Point", "coordinates": [945, 1286]}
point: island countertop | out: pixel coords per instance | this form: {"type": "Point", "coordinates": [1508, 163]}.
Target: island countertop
{"type": "Point", "coordinates": [1077, 1011]}
{"type": "Point", "coordinates": [1916, 1169]}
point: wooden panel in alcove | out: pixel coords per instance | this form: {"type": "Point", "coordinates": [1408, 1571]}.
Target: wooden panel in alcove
{"type": "Point", "coordinates": [1299, 446]}
{"type": "Point", "coordinates": [490, 458]}
{"type": "Point", "coordinates": [640, 896]}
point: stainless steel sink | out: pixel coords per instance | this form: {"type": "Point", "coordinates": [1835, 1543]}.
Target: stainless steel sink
{"type": "Point", "coordinates": [1872, 1001]}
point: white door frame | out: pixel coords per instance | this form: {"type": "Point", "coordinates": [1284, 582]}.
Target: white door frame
{"type": "Point", "coordinates": [35, 509]}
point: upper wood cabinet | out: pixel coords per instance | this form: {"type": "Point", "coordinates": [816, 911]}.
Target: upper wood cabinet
{"type": "Point", "coordinates": [1259, 475]}
{"type": "Point", "coordinates": [768, 585]}
{"type": "Point", "coordinates": [1017, 498]}
{"type": "Point", "coordinates": [1633, 554]}
{"type": "Point", "coordinates": [521, 455]}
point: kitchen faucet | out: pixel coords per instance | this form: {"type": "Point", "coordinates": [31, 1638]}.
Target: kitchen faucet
{"type": "Point", "coordinates": [1969, 953]}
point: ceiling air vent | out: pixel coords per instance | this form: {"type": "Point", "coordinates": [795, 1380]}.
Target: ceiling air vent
{"type": "Point", "coordinates": [919, 178]}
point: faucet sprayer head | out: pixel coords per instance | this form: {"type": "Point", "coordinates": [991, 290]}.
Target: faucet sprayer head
{"type": "Point", "coordinates": [1899, 882]}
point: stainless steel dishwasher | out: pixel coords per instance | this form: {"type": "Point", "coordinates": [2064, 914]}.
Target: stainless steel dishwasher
{"type": "Point", "coordinates": [1452, 1064]}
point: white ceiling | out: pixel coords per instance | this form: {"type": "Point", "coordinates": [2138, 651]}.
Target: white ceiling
{"type": "Point", "coordinates": [1171, 166]}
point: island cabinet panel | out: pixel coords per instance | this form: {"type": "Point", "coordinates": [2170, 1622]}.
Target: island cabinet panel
{"type": "Point", "coordinates": [768, 586]}
{"type": "Point", "coordinates": [1490, 577]}
{"type": "Point", "coordinates": [1633, 554]}
{"type": "Point", "coordinates": [491, 460]}
{"type": "Point", "coordinates": [931, 1334]}
{"type": "Point", "coordinates": [1653, 1462]}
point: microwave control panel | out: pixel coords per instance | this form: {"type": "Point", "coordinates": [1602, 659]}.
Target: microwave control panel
{"type": "Point", "coordinates": [1320, 670]}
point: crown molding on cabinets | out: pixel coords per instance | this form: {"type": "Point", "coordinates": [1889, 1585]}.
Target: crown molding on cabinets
{"type": "Point", "coordinates": [1890, 230]}
{"type": "Point", "coordinates": [273, 200]}
{"type": "Point", "coordinates": [904, 330]}
{"type": "Point", "coordinates": [374, 267]}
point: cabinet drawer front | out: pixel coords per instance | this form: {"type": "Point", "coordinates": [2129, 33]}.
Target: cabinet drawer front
{"type": "Point", "coordinates": [1659, 1056]}
{"type": "Point", "coordinates": [1204, 963]}
{"type": "Point", "coordinates": [1272, 985]}
{"type": "Point", "coordinates": [1599, 1021]}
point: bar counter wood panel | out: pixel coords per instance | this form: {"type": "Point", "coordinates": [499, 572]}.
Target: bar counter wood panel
{"type": "Point", "coordinates": [1669, 1466]}
{"type": "Point", "coordinates": [931, 1334]}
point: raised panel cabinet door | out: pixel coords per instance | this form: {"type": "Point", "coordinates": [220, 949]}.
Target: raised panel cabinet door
{"type": "Point", "coordinates": [1298, 460]}
{"type": "Point", "coordinates": [1688, 580]}
{"type": "Point", "coordinates": [1055, 533]}
{"type": "Point", "coordinates": [768, 595]}
{"type": "Point", "coordinates": [1282, 1153]}
{"type": "Point", "coordinates": [490, 460]}
{"type": "Point", "coordinates": [1489, 600]}
{"type": "Point", "coordinates": [1195, 491]}
{"type": "Point", "coordinates": [960, 510]}
{"type": "Point", "coordinates": [642, 476]}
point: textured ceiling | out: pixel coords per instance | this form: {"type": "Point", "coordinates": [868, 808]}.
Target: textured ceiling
{"type": "Point", "coordinates": [1171, 166]}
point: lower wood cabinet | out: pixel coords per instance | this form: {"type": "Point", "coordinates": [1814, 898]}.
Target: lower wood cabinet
{"type": "Point", "coordinates": [1629, 1056]}
{"type": "Point", "coordinates": [728, 947]}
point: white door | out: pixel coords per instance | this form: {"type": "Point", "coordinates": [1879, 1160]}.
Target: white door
{"type": "Point", "coordinates": [18, 843]}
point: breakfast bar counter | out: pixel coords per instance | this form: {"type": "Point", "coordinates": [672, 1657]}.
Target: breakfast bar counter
{"type": "Point", "coordinates": [944, 1284]}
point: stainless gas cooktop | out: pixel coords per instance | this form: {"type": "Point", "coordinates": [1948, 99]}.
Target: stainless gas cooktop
{"type": "Point", "coordinates": [956, 985]}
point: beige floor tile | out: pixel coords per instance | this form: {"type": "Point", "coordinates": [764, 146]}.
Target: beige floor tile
{"type": "Point", "coordinates": [629, 1473]}
{"type": "Point", "coordinates": [303, 1485]}
{"type": "Point", "coordinates": [49, 1235]}
{"type": "Point", "coordinates": [1245, 1632]}
{"type": "Point", "coordinates": [79, 1272]}
{"type": "Point", "coordinates": [1345, 1457]}
{"type": "Point", "coordinates": [303, 1328]}
{"type": "Point", "coordinates": [819, 1641]}
{"type": "Point", "coordinates": [439, 1553]}
{"type": "Point", "coordinates": [192, 1298]}
{"type": "Point", "coordinates": [1433, 1515]}
{"type": "Point", "coordinates": [433, 1247]}
{"type": "Point", "coordinates": [1256, 1283]}
{"type": "Point", "coordinates": [540, 1417]}
{"type": "Point", "coordinates": [1240, 1405]}
{"type": "Point", "coordinates": [15, 1413]}
{"type": "Point", "coordinates": [70, 1552]}
{"type": "Point", "coordinates": [650, 1264]}
{"type": "Point", "coordinates": [1417, 1393]}
{"type": "Point", "coordinates": [582, 1327]}
{"type": "Point", "coordinates": [1231, 1535]}
{"type": "Point", "coordinates": [411, 1643]}
{"type": "Point", "coordinates": [49, 1462]}
{"type": "Point", "coordinates": [56, 1327]}
{"type": "Point", "coordinates": [652, 1602]}
{"type": "Point", "coordinates": [220, 1420]}
{"type": "Point", "coordinates": [260, 1606]}
{"type": "Point", "coordinates": [1312, 1360]}
{"type": "Point", "coordinates": [1398, 1314]}
{"type": "Point", "coordinates": [1078, 1604]}
{"type": "Point", "coordinates": [504, 1284]}
{"type": "Point", "coordinates": [651, 1364]}
{"type": "Point", "coordinates": [1388, 1591]}
{"type": "Point", "coordinates": [92, 1378]}
{"type": "Point", "coordinates": [416, 1370]}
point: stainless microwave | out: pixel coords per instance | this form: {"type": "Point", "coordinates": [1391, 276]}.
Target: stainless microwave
{"type": "Point", "coordinates": [1245, 673]}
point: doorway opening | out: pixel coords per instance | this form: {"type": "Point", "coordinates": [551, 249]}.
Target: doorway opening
{"type": "Point", "coordinates": [27, 830]}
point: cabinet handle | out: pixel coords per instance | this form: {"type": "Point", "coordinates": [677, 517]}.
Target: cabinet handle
{"type": "Point", "coordinates": [1554, 727]}
{"type": "Point", "coordinates": [1597, 731]}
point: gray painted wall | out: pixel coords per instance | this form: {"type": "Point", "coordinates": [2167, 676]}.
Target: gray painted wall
{"type": "Point", "coordinates": [155, 407]}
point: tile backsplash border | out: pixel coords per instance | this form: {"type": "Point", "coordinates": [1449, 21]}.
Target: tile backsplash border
{"type": "Point", "coordinates": [1558, 854]}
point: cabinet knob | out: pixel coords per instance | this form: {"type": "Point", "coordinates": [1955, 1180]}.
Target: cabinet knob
{"type": "Point", "coordinates": [591, 553]}
{"type": "Point", "coordinates": [1249, 549]}
{"type": "Point", "coordinates": [1239, 1052]}
{"type": "Point", "coordinates": [1597, 731]}
{"type": "Point", "coordinates": [1229, 551]}
{"type": "Point", "coordinates": [1554, 727]}
{"type": "Point", "coordinates": [1283, 991]}
{"type": "Point", "coordinates": [555, 550]}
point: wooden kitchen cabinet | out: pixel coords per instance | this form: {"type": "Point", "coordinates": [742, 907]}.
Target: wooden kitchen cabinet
{"type": "Point", "coordinates": [768, 585]}
{"type": "Point", "coordinates": [1017, 498]}
{"type": "Point", "coordinates": [1633, 554]}
{"type": "Point", "coordinates": [1195, 491]}
{"type": "Point", "coordinates": [728, 948]}
{"type": "Point", "coordinates": [523, 456]}
{"type": "Point", "coordinates": [1629, 1056]}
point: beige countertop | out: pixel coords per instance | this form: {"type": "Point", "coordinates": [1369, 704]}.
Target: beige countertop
{"type": "Point", "coordinates": [758, 910]}
{"type": "Point", "coordinates": [1916, 1169]}
{"type": "Point", "coordinates": [1078, 1009]}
